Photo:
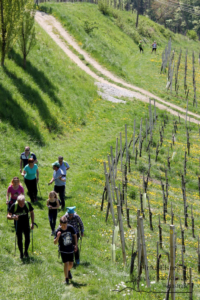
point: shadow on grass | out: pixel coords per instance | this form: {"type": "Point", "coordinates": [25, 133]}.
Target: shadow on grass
{"type": "Point", "coordinates": [11, 112]}
{"type": "Point", "coordinates": [31, 96]}
{"type": "Point", "coordinates": [31, 260]}
{"type": "Point", "coordinates": [39, 77]}
{"type": "Point", "coordinates": [77, 284]}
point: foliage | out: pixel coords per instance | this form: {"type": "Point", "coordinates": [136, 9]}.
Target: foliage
{"type": "Point", "coordinates": [26, 37]}
{"type": "Point", "coordinates": [89, 27]}
{"type": "Point", "coordinates": [103, 6]}
{"type": "Point", "coordinates": [192, 35]}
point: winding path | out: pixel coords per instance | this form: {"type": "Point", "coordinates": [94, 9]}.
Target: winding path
{"type": "Point", "coordinates": [58, 33]}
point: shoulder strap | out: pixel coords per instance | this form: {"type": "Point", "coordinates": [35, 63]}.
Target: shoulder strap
{"type": "Point", "coordinates": [65, 164]}
{"type": "Point", "coordinates": [16, 204]}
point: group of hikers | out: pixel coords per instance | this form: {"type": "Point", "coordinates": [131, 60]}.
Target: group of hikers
{"type": "Point", "coordinates": [71, 227]}
{"type": "Point", "coordinates": [141, 47]}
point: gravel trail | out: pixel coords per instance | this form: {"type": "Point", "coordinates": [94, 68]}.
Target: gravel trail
{"type": "Point", "coordinates": [107, 90]}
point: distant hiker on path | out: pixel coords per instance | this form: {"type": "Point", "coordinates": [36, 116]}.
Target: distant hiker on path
{"type": "Point", "coordinates": [140, 46]}
{"type": "Point", "coordinates": [75, 221]}
{"type": "Point", "coordinates": [14, 190]}
{"type": "Point", "coordinates": [154, 47]}
{"type": "Point", "coordinates": [60, 180]}
{"type": "Point", "coordinates": [19, 212]}
{"type": "Point", "coordinates": [53, 205]}
{"type": "Point", "coordinates": [64, 236]}
{"type": "Point", "coordinates": [63, 164]}
{"type": "Point", "coordinates": [30, 171]}
{"type": "Point", "coordinates": [25, 156]}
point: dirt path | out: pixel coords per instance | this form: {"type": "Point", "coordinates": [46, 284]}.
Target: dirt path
{"type": "Point", "coordinates": [58, 33]}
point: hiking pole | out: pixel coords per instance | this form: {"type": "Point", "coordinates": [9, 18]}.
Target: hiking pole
{"type": "Point", "coordinates": [39, 189]}
{"type": "Point", "coordinates": [80, 246]}
{"type": "Point", "coordinates": [32, 235]}
{"type": "Point", "coordinates": [15, 237]}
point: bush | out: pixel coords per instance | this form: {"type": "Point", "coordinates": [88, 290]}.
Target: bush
{"type": "Point", "coordinates": [89, 27]}
{"type": "Point", "coordinates": [133, 193]}
{"type": "Point", "coordinates": [192, 35]}
{"type": "Point", "coordinates": [104, 7]}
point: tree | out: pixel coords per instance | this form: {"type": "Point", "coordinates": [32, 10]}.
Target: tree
{"type": "Point", "coordinates": [9, 17]}
{"type": "Point", "coordinates": [26, 37]}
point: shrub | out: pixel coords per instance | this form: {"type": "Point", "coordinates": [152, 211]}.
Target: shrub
{"type": "Point", "coordinates": [133, 193]}
{"type": "Point", "coordinates": [192, 35]}
{"type": "Point", "coordinates": [89, 27]}
{"type": "Point", "coordinates": [104, 7]}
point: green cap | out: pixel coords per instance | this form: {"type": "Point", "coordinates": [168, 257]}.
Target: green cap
{"type": "Point", "coordinates": [56, 164]}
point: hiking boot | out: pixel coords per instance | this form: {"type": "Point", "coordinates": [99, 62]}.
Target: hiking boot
{"type": "Point", "coordinates": [77, 262]}
{"type": "Point", "coordinates": [70, 275]}
{"type": "Point", "coordinates": [52, 233]}
{"type": "Point", "coordinates": [66, 281]}
{"type": "Point", "coordinates": [26, 255]}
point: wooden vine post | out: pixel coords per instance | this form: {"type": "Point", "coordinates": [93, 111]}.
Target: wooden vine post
{"type": "Point", "coordinates": [121, 230]}
{"type": "Point", "coordinates": [172, 261]}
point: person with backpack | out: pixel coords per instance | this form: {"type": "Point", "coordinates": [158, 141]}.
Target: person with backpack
{"type": "Point", "coordinates": [30, 172]}
{"type": "Point", "coordinates": [19, 212]}
{"type": "Point", "coordinates": [25, 156]}
{"type": "Point", "coordinates": [60, 179]}
{"type": "Point", "coordinates": [154, 47]}
{"type": "Point", "coordinates": [64, 237]}
{"type": "Point", "coordinates": [53, 204]}
{"type": "Point", "coordinates": [140, 46]}
{"type": "Point", "coordinates": [75, 221]}
{"type": "Point", "coordinates": [14, 190]}
{"type": "Point", "coordinates": [63, 164]}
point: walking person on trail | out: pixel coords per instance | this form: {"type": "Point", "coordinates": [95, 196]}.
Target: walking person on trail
{"type": "Point", "coordinates": [53, 205]}
{"type": "Point", "coordinates": [74, 220]}
{"type": "Point", "coordinates": [60, 180]}
{"type": "Point", "coordinates": [19, 212]}
{"type": "Point", "coordinates": [140, 46]}
{"type": "Point", "coordinates": [154, 47]}
{"type": "Point", "coordinates": [14, 190]}
{"type": "Point", "coordinates": [63, 165]}
{"type": "Point", "coordinates": [30, 171]}
{"type": "Point", "coordinates": [64, 237]}
{"type": "Point", "coordinates": [25, 156]}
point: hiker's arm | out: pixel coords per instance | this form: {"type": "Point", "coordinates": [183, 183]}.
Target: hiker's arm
{"type": "Point", "coordinates": [23, 173]}
{"type": "Point", "coordinates": [7, 197]}
{"type": "Point", "coordinates": [12, 217]}
{"type": "Point", "coordinates": [57, 238]}
{"type": "Point", "coordinates": [32, 219]}
{"type": "Point", "coordinates": [50, 182]}
{"type": "Point", "coordinates": [75, 239]}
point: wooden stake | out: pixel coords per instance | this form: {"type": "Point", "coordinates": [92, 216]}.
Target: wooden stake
{"type": "Point", "coordinates": [172, 262]}
{"type": "Point", "coordinates": [121, 230]}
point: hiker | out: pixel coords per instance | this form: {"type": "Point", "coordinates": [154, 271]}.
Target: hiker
{"type": "Point", "coordinates": [140, 46]}
{"type": "Point", "coordinates": [30, 171]}
{"type": "Point", "coordinates": [154, 47]}
{"type": "Point", "coordinates": [74, 220]}
{"type": "Point", "coordinates": [53, 205]}
{"type": "Point", "coordinates": [19, 212]}
{"type": "Point", "coordinates": [63, 165]}
{"type": "Point", "coordinates": [14, 190]}
{"type": "Point", "coordinates": [25, 156]}
{"type": "Point", "coordinates": [64, 236]}
{"type": "Point", "coordinates": [60, 179]}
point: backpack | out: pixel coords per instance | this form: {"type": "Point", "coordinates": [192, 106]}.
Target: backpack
{"type": "Point", "coordinates": [16, 204]}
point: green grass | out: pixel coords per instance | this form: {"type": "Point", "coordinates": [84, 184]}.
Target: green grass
{"type": "Point", "coordinates": [114, 44]}
{"type": "Point", "coordinates": [54, 108]}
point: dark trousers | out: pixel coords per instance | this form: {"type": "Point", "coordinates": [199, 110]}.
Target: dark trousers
{"type": "Point", "coordinates": [26, 232]}
{"type": "Point", "coordinates": [61, 191]}
{"type": "Point", "coordinates": [52, 218]}
{"type": "Point", "coordinates": [32, 188]}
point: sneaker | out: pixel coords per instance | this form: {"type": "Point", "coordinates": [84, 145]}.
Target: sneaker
{"type": "Point", "coordinates": [77, 262]}
{"type": "Point", "coordinates": [52, 233]}
{"type": "Point", "coordinates": [70, 275]}
{"type": "Point", "coordinates": [66, 281]}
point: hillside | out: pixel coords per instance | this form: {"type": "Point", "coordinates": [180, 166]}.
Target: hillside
{"type": "Point", "coordinates": [114, 44]}
{"type": "Point", "coordinates": [54, 107]}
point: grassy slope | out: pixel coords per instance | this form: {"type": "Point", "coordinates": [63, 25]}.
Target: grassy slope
{"type": "Point", "coordinates": [115, 45]}
{"type": "Point", "coordinates": [55, 81]}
